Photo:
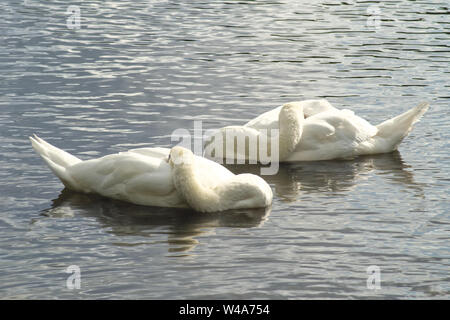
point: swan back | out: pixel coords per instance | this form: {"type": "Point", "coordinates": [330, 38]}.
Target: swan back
{"type": "Point", "coordinates": [269, 119]}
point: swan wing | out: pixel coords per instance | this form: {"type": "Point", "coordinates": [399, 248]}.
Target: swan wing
{"type": "Point", "coordinates": [346, 125]}
{"type": "Point", "coordinates": [212, 174]}
{"type": "Point", "coordinates": [331, 135]}
{"type": "Point", "coordinates": [318, 131]}
{"type": "Point", "coordinates": [129, 176]}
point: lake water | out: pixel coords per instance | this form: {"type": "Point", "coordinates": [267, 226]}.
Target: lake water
{"type": "Point", "coordinates": [133, 71]}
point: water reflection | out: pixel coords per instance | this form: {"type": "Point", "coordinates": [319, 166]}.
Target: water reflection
{"type": "Point", "coordinates": [181, 226]}
{"type": "Point", "coordinates": [334, 176]}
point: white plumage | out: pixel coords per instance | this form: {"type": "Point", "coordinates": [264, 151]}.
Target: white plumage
{"type": "Point", "coordinates": [146, 176]}
{"type": "Point", "coordinates": [315, 130]}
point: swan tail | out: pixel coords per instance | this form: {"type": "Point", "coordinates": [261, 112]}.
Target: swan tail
{"type": "Point", "coordinates": [394, 130]}
{"type": "Point", "coordinates": [57, 160]}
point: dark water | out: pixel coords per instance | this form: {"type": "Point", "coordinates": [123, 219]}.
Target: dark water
{"type": "Point", "coordinates": [137, 70]}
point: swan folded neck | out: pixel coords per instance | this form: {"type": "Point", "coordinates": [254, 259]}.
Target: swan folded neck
{"type": "Point", "coordinates": [186, 179]}
{"type": "Point", "coordinates": [291, 127]}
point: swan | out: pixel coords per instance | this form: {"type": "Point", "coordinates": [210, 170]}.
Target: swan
{"type": "Point", "coordinates": [311, 130]}
{"type": "Point", "coordinates": [158, 177]}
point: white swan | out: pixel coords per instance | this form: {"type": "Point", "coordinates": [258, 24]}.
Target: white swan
{"type": "Point", "coordinates": [313, 130]}
{"type": "Point", "coordinates": [158, 177]}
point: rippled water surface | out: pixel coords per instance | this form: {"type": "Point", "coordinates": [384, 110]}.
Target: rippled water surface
{"type": "Point", "coordinates": [137, 70]}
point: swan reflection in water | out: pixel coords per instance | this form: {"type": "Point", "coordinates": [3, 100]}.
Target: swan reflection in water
{"type": "Point", "coordinates": [295, 179]}
{"type": "Point", "coordinates": [181, 226]}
